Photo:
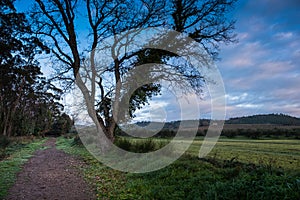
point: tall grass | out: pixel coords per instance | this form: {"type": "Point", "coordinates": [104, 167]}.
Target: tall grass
{"type": "Point", "coordinates": [137, 146]}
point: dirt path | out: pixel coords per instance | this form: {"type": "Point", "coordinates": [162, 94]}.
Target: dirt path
{"type": "Point", "coordinates": [51, 174]}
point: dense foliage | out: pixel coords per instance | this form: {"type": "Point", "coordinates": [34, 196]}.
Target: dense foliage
{"type": "Point", "coordinates": [28, 101]}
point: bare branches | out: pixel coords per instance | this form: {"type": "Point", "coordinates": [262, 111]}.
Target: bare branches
{"type": "Point", "coordinates": [204, 21]}
{"type": "Point", "coordinates": [52, 20]}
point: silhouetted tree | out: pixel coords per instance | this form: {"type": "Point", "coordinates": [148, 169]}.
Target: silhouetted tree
{"type": "Point", "coordinates": [204, 21]}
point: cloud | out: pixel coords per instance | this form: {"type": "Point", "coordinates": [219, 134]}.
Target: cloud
{"type": "Point", "coordinates": [284, 35]}
{"type": "Point", "coordinates": [154, 111]}
{"type": "Point", "coordinates": [236, 98]}
{"type": "Point", "coordinates": [244, 55]}
{"type": "Point", "coordinates": [248, 105]}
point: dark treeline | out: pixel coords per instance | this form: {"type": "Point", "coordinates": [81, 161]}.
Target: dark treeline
{"type": "Point", "coordinates": [271, 119]}
{"type": "Point", "coordinates": [256, 133]}
{"type": "Point", "coordinates": [256, 126]}
{"type": "Point", "coordinates": [28, 101]}
{"type": "Point", "coordinates": [253, 133]}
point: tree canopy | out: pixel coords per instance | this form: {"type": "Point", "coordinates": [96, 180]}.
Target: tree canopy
{"type": "Point", "coordinates": [28, 101]}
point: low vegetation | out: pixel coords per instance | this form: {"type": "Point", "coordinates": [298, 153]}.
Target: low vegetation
{"type": "Point", "coordinates": [232, 171]}
{"type": "Point", "coordinates": [17, 152]}
{"type": "Point", "coordinates": [138, 145]}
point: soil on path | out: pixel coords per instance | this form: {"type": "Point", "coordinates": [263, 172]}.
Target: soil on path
{"type": "Point", "coordinates": [51, 174]}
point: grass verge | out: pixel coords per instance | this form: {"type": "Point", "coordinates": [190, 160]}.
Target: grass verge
{"type": "Point", "coordinates": [108, 183]}
{"type": "Point", "coordinates": [19, 153]}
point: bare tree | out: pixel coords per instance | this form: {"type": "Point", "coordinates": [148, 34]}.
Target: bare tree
{"type": "Point", "coordinates": [57, 21]}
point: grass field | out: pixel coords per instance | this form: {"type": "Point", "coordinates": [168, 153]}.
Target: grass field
{"type": "Point", "coordinates": [280, 153]}
{"type": "Point", "coordinates": [261, 169]}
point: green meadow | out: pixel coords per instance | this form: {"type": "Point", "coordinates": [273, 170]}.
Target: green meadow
{"type": "Point", "coordinates": [278, 153]}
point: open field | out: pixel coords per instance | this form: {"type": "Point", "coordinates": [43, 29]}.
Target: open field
{"type": "Point", "coordinates": [236, 169]}
{"type": "Point", "coordinates": [280, 153]}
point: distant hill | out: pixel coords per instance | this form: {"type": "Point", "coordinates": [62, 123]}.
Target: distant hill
{"type": "Point", "coordinates": [276, 119]}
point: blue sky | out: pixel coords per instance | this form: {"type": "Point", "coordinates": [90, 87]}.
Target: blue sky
{"type": "Point", "coordinates": [261, 72]}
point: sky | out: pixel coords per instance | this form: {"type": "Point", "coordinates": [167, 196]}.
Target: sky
{"type": "Point", "coordinates": [261, 72]}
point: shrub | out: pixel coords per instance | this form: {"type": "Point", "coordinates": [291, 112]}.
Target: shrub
{"type": "Point", "coordinates": [144, 146]}
{"type": "Point", "coordinates": [254, 134]}
{"type": "Point", "coordinates": [229, 133]}
{"type": "Point", "coordinates": [123, 143]}
{"type": "Point", "coordinates": [200, 133]}
{"type": "Point", "coordinates": [138, 146]}
{"type": "Point", "coordinates": [69, 135]}
{"type": "Point", "coordinates": [76, 141]}
{"type": "Point", "coordinates": [4, 141]}
{"type": "Point", "coordinates": [165, 133]}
